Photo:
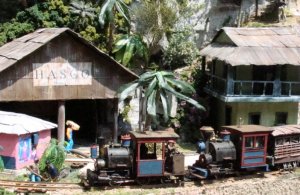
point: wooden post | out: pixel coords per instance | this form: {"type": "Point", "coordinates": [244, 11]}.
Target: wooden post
{"type": "Point", "coordinates": [230, 87]}
{"type": "Point", "coordinates": [203, 63]}
{"type": "Point", "coordinates": [61, 120]}
{"type": "Point", "coordinates": [140, 110]}
{"type": "Point", "coordinates": [115, 134]}
{"type": "Point", "coordinates": [277, 83]}
{"type": "Point", "coordinates": [98, 134]}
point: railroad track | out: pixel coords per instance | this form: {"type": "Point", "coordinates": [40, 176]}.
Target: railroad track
{"type": "Point", "coordinates": [42, 187]}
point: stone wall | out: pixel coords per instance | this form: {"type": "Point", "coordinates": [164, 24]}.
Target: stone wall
{"type": "Point", "coordinates": [217, 14]}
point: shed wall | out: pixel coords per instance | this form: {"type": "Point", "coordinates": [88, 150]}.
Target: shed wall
{"type": "Point", "coordinates": [17, 82]}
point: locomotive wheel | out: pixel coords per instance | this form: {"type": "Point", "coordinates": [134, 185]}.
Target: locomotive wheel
{"type": "Point", "coordinates": [143, 180]}
{"type": "Point", "coordinates": [115, 181]}
{"type": "Point", "coordinates": [165, 180]}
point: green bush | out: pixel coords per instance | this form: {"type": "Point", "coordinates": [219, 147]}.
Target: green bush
{"type": "Point", "coordinates": [4, 192]}
{"type": "Point", "coordinates": [1, 164]}
{"type": "Point", "coordinates": [180, 52]}
{"type": "Point", "coordinates": [54, 153]}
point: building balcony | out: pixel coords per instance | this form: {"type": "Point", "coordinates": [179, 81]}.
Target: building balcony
{"type": "Point", "coordinates": [252, 90]}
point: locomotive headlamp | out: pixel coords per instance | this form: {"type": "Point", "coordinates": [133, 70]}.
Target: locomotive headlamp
{"type": "Point", "coordinates": [100, 163]}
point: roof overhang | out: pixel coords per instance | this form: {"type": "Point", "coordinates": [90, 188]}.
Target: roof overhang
{"type": "Point", "coordinates": [260, 56]}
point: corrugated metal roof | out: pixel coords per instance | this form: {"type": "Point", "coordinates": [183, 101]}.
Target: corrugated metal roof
{"type": "Point", "coordinates": [155, 134]}
{"type": "Point", "coordinates": [248, 128]}
{"type": "Point", "coordinates": [257, 46]}
{"type": "Point", "coordinates": [16, 123]}
{"type": "Point", "coordinates": [286, 130]}
{"type": "Point", "coordinates": [17, 49]}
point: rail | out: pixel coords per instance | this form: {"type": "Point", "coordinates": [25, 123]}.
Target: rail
{"type": "Point", "coordinates": [42, 187]}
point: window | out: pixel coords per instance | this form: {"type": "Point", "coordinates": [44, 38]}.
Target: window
{"type": "Point", "coordinates": [294, 140]}
{"type": "Point", "coordinates": [249, 142]}
{"type": "Point", "coordinates": [281, 118]}
{"type": "Point", "coordinates": [254, 118]}
{"type": "Point", "coordinates": [279, 141]}
{"type": "Point", "coordinates": [260, 142]}
{"type": "Point", "coordinates": [255, 142]}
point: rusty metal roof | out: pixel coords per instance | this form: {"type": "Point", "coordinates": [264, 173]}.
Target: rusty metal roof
{"type": "Point", "coordinates": [248, 128]}
{"type": "Point", "coordinates": [19, 124]}
{"type": "Point", "coordinates": [286, 130]}
{"type": "Point", "coordinates": [256, 46]}
{"type": "Point", "coordinates": [166, 134]}
{"type": "Point", "coordinates": [18, 49]}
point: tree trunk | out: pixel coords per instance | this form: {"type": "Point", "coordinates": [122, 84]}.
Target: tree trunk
{"type": "Point", "coordinates": [256, 8]}
{"type": "Point", "coordinates": [111, 31]}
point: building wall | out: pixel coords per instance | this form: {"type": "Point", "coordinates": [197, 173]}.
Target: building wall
{"type": "Point", "coordinates": [64, 68]}
{"type": "Point", "coordinates": [9, 143]}
{"type": "Point", "coordinates": [292, 73]}
{"type": "Point", "coordinates": [17, 151]}
{"type": "Point", "coordinates": [243, 73]}
{"type": "Point", "coordinates": [267, 110]}
{"type": "Point", "coordinates": [216, 14]}
{"type": "Point", "coordinates": [44, 139]}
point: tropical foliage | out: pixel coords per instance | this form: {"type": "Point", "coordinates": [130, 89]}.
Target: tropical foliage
{"type": "Point", "coordinates": [55, 154]}
{"type": "Point", "coordinates": [154, 19]}
{"type": "Point", "coordinates": [129, 46]}
{"type": "Point", "coordinates": [159, 87]}
{"type": "Point", "coordinates": [1, 164]}
{"type": "Point", "coordinates": [109, 10]}
{"type": "Point", "coordinates": [180, 51]}
{"type": "Point", "coordinates": [84, 13]}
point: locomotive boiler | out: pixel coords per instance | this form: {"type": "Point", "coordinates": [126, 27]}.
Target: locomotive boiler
{"type": "Point", "coordinates": [239, 147]}
{"type": "Point", "coordinates": [113, 164]}
{"type": "Point", "coordinates": [141, 157]}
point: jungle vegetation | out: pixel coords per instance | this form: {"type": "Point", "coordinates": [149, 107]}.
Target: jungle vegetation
{"type": "Point", "coordinates": [142, 35]}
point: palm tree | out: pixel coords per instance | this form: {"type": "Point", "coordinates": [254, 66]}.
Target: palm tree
{"type": "Point", "coordinates": [158, 87]}
{"type": "Point", "coordinates": [107, 16]}
{"type": "Point", "coordinates": [84, 12]}
{"type": "Point", "coordinates": [129, 46]}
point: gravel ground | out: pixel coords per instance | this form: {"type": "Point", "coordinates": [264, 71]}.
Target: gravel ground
{"type": "Point", "coordinates": [263, 184]}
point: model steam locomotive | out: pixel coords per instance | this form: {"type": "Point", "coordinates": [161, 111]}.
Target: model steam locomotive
{"type": "Point", "coordinates": [140, 157]}
{"type": "Point", "coordinates": [144, 156]}
{"type": "Point", "coordinates": [247, 147]}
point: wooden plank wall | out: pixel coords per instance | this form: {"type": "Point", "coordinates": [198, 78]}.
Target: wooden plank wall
{"type": "Point", "coordinates": [16, 82]}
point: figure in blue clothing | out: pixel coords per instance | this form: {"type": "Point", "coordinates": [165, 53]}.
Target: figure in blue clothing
{"type": "Point", "coordinates": [34, 175]}
{"type": "Point", "coordinates": [52, 170]}
{"type": "Point", "coordinates": [71, 126]}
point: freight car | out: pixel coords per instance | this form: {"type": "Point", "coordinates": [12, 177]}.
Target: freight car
{"type": "Point", "coordinates": [141, 158]}
{"type": "Point", "coordinates": [246, 147]}
{"type": "Point", "coordinates": [284, 147]}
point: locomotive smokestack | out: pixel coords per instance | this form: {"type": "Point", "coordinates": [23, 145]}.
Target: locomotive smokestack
{"type": "Point", "coordinates": [101, 141]}
{"type": "Point", "coordinates": [207, 132]}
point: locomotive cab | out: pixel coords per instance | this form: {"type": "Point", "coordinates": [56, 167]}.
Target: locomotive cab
{"type": "Point", "coordinates": [151, 158]}
{"type": "Point", "coordinates": [143, 159]}
{"type": "Point", "coordinates": [241, 147]}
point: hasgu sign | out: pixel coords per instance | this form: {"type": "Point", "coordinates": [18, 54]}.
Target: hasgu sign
{"type": "Point", "coordinates": [56, 74]}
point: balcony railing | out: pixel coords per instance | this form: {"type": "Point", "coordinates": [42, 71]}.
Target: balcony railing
{"type": "Point", "coordinates": [253, 88]}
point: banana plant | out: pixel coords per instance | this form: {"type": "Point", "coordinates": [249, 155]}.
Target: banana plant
{"type": "Point", "coordinates": [157, 87]}
{"type": "Point", "coordinates": [129, 46]}
{"type": "Point", "coordinates": [107, 15]}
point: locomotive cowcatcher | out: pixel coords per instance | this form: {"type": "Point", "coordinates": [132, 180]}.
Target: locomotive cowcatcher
{"type": "Point", "coordinates": [141, 157]}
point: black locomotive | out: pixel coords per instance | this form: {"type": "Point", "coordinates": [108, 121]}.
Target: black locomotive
{"type": "Point", "coordinates": [246, 147]}
{"type": "Point", "coordinates": [140, 157]}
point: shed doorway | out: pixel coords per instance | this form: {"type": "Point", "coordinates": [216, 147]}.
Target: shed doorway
{"type": "Point", "coordinates": [95, 117]}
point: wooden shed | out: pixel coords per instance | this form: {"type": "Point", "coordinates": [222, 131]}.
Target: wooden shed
{"type": "Point", "coordinates": [57, 75]}
{"type": "Point", "coordinates": [23, 138]}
